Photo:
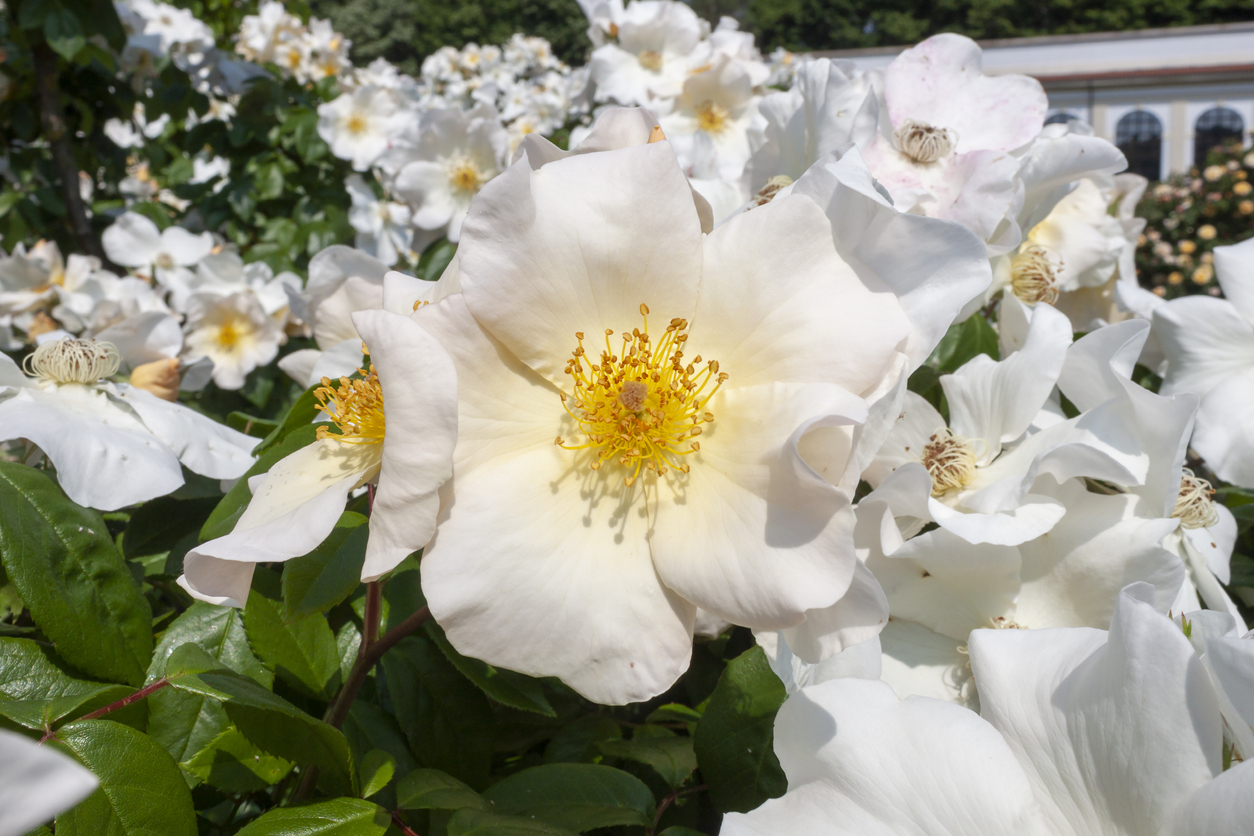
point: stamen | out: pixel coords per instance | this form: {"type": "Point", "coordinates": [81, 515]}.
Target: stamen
{"type": "Point", "coordinates": [73, 361]}
{"type": "Point", "coordinates": [355, 408]}
{"type": "Point", "coordinates": [950, 462]}
{"type": "Point", "coordinates": [464, 175]}
{"type": "Point", "coordinates": [641, 406]}
{"type": "Point", "coordinates": [924, 143]}
{"type": "Point", "coordinates": [773, 187]}
{"type": "Point", "coordinates": [712, 118]}
{"type": "Point", "coordinates": [651, 60]}
{"type": "Point", "coordinates": [1034, 275]}
{"type": "Point", "coordinates": [1194, 507]}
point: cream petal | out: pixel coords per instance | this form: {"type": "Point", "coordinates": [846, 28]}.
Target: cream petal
{"type": "Point", "coordinates": [578, 246]}
{"type": "Point", "coordinates": [1234, 269]}
{"type": "Point", "coordinates": [1033, 516]}
{"type": "Point", "coordinates": [856, 619]}
{"type": "Point", "coordinates": [1114, 730]}
{"type": "Point", "coordinates": [216, 581]}
{"type": "Point", "coordinates": [801, 314]}
{"type": "Point", "coordinates": [752, 534]}
{"type": "Point", "coordinates": [1221, 807]}
{"type": "Point", "coordinates": [333, 317]}
{"type": "Point", "coordinates": [1225, 425]}
{"type": "Point", "coordinates": [918, 421]}
{"type": "Point", "coordinates": [1206, 342]}
{"type": "Point", "coordinates": [104, 456]}
{"type": "Point", "coordinates": [419, 387]}
{"type": "Point", "coordinates": [36, 783]}
{"type": "Point", "coordinates": [425, 187]}
{"type": "Point", "coordinates": [132, 241]}
{"type": "Point", "coordinates": [860, 762]}
{"type": "Point", "coordinates": [203, 445]}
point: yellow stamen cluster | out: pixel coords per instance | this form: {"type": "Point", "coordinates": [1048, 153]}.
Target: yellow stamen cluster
{"type": "Point", "coordinates": [651, 60]}
{"type": "Point", "coordinates": [950, 462]}
{"type": "Point", "coordinates": [464, 175]}
{"type": "Point", "coordinates": [643, 406]}
{"type": "Point", "coordinates": [712, 118]}
{"type": "Point", "coordinates": [1034, 275]}
{"type": "Point", "coordinates": [924, 143]}
{"type": "Point", "coordinates": [773, 187]}
{"type": "Point", "coordinates": [355, 407]}
{"type": "Point", "coordinates": [356, 124]}
{"type": "Point", "coordinates": [1194, 507]}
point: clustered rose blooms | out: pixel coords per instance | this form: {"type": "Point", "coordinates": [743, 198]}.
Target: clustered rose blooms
{"type": "Point", "coordinates": [693, 371]}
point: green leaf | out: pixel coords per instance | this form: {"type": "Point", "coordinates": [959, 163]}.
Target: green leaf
{"type": "Point", "coordinates": [447, 721]}
{"type": "Point", "coordinates": [681, 831]}
{"type": "Point", "coordinates": [577, 796]}
{"type": "Point", "coordinates": [337, 817]}
{"type": "Point", "coordinates": [435, 259]}
{"type": "Point", "coordinates": [670, 755]}
{"type": "Point", "coordinates": [370, 727]}
{"type": "Point", "coordinates": [431, 789]}
{"type": "Point", "coordinates": [35, 693]}
{"type": "Point", "coordinates": [157, 526]}
{"type": "Point", "coordinates": [302, 653]}
{"type": "Point", "coordinates": [576, 742]}
{"type": "Point", "coordinates": [376, 770]}
{"type": "Point", "coordinates": [506, 687]}
{"type": "Point", "coordinates": [477, 823]}
{"type": "Point", "coordinates": [267, 720]}
{"type": "Point", "coordinates": [326, 576]}
{"type": "Point", "coordinates": [301, 414]}
{"type": "Point", "coordinates": [674, 713]}
{"type": "Point", "coordinates": [251, 424]}
{"type": "Point", "coordinates": [185, 724]}
{"type": "Point", "coordinates": [142, 792]}
{"type": "Point", "coordinates": [78, 588]}
{"type": "Point", "coordinates": [1242, 568]}
{"type": "Point", "coordinates": [963, 342]}
{"type": "Point", "coordinates": [233, 764]}
{"type": "Point", "coordinates": [63, 31]}
{"type": "Point", "coordinates": [734, 740]}
{"type": "Point", "coordinates": [231, 508]}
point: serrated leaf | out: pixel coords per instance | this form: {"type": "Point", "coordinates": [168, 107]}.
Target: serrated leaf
{"type": "Point", "coordinates": [229, 762]}
{"type": "Point", "coordinates": [506, 687]}
{"type": "Point", "coordinates": [734, 740]}
{"type": "Point", "coordinates": [326, 576]}
{"type": "Point", "coordinates": [35, 693]}
{"type": "Point", "coordinates": [302, 652]}
{"type": "Point", "coordinates": [670, 756]}
{"type": "Point", "coordinates": [231, 507]}
{"type": "Point", "coordinates": [337, 817]}
{"type": "Point", "coordinates": [576, 796]}
{"type": "Point", "coordinates": [187, 723]}
{"type": "Point", "coordinates": [376, 770]}
{"type": "Point", "coordinates": [431, 789]}
{"type": "Point", "coordinates": [142, 792]}
{"type": "Point", "coordinates": [477, 823]}
{"type": "Point", "coordinates": [267, 720]}
{"type": "Point", "coordinates": [75, 583]}
{"type": "Point", "coordinates": [447, 721]}
{"type": "Point", "coordinates": [370, 727]}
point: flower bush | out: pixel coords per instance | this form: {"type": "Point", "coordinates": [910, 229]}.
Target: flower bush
{"type": "Point", "coordinates": [691, 441]}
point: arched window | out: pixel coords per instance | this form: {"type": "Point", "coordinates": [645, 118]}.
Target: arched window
{"type": "Point", "coordinates": [1217, 126]}
{"type": "Point", "coordinates": [1062, 117]}
{"type": "Point", "coordinates": [1139, 136]}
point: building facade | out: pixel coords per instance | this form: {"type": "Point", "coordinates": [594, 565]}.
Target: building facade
{"type": "Point", "coordinates": [1164, 96]}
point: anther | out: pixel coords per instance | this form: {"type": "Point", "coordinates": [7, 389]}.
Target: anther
{"type": "Point", "coordinates": [73, 361]}
{"type": "Point", "coordinates": [924, 143]}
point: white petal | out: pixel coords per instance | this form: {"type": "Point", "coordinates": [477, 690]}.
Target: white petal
{"type": "Point", "coordinates": [145, 337]}
{"type": "Point", "coordinates": [425, 186]}
{"type": "Point", "coordinates": [1225, 427]}
{"type": "Point", "coordinates": [1231, 664]}
{"type": "Point", "coordinates": [132, 241]}
{"type": "Point", "coordinates": [202, 444]}
{"type": "Point", "coordinates": [1234, 268]}
{"type": "Point", "coordinates": [419, 387]}
{"type": "Point", "coordinates": [1032, 516]}
{"type": "Point", "coordinates": [333, 316]}
{"type": "Point", "coordinates": [299, 365]}
{"type": "Point", "coordinates": [185, 248]}
{"type": "Point", "coordinates": [334, 265]}
{"type": "Point", "coordinates": [1096, 359]}
{"type": "Point", "coordinates": [1206, 342]}
{"type": "Point", "coordinates": [578, 246]}
{"type": "Point", "coordinates": [921, 662]}
{"type": "Point", "coordinates": [862, 763]}
{"type": "Point", "coordinates": [216, 581]}
{"type": "Point", "coordinates": [36, 783]}
{"type": "Point", "coordinates": [1221, 807]}
{"type": "Point", "coordinates": [104, 456]}
{"type": "Point", "coordinates": [1114, 733]}
{"type": "Point", "coordinates": [918, 421]}
{"type": "Point", "coordinates": [856, 619]}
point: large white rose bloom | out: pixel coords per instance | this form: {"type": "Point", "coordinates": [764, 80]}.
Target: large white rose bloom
{"type": "Point", "coordinates": [113, 444]}
{"type": "Point", "coordinates": [395, 425]}
{"type": "Point", "coordinates": [1209, 345]}
{"type": "Point", "coordinates": [645, 415]}
{"type": "Point", "coordinates": [1080, 731]}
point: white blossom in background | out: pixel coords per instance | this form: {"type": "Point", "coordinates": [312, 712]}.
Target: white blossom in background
{"type": "Point", "coordinates": [719, 103]}
{"type": "Point", "coordinates": [383, 226]}
{"type": "Point", "coordinates": [234, 331]}
{"type": "Point", "coordinates": [360, 125]}
{"type": "Point", "coordinates": [112, 444]}
{"type": "Point", "coordinates": [442, 164]}
{"type": "Point", "coordinates": [647, 50]}
{"type": "Point", "coordinates": [135, 241]}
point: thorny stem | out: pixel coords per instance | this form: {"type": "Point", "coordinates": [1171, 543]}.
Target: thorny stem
{"type": "Point", "coordinates": [114, 706]}
{"type": "Point", "coordinates": [666, 802]}
{"type": "Point", "coordinates": [404, 828]}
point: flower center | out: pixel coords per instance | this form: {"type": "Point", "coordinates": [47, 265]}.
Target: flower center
{"type": "Point", "coordinates": [1194, 507]}
{"type": "Point", "coordinates": [229, 335]}
{"type": "Point", "coordinates": [712, 118]}
{"type": "Point", "coordinates": [165, 261]}
{"type": "Point", "coordinates": [651, 60]}
{"type": "Point", "coordinates": [950, 462]}
{"type": "Point", "coordinates": [1034, 275]}
{"type": "Point", "coordinates": [355, 407]}
{"type": "Point", "coordinates": [924, 143]}
{"type": "Point", "coordinates": [356, 124]}
{"type": "Point", "coordinates": [644, 406]}
{"type": "Point", "coordinates": [773, 187]}
{"type": "Point", "coordinates": [73, 361]}
{"type": "Point", "coordinates": [464, 175]}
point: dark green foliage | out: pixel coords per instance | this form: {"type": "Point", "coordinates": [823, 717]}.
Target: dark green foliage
{"type": "Point", "coordinates": [406, 31]}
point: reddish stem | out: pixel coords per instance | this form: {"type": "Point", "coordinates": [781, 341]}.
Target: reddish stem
{"type": "Point", "coordinates": [406, 829]}
{"type": "Point", "coordinates": [122, 703]}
